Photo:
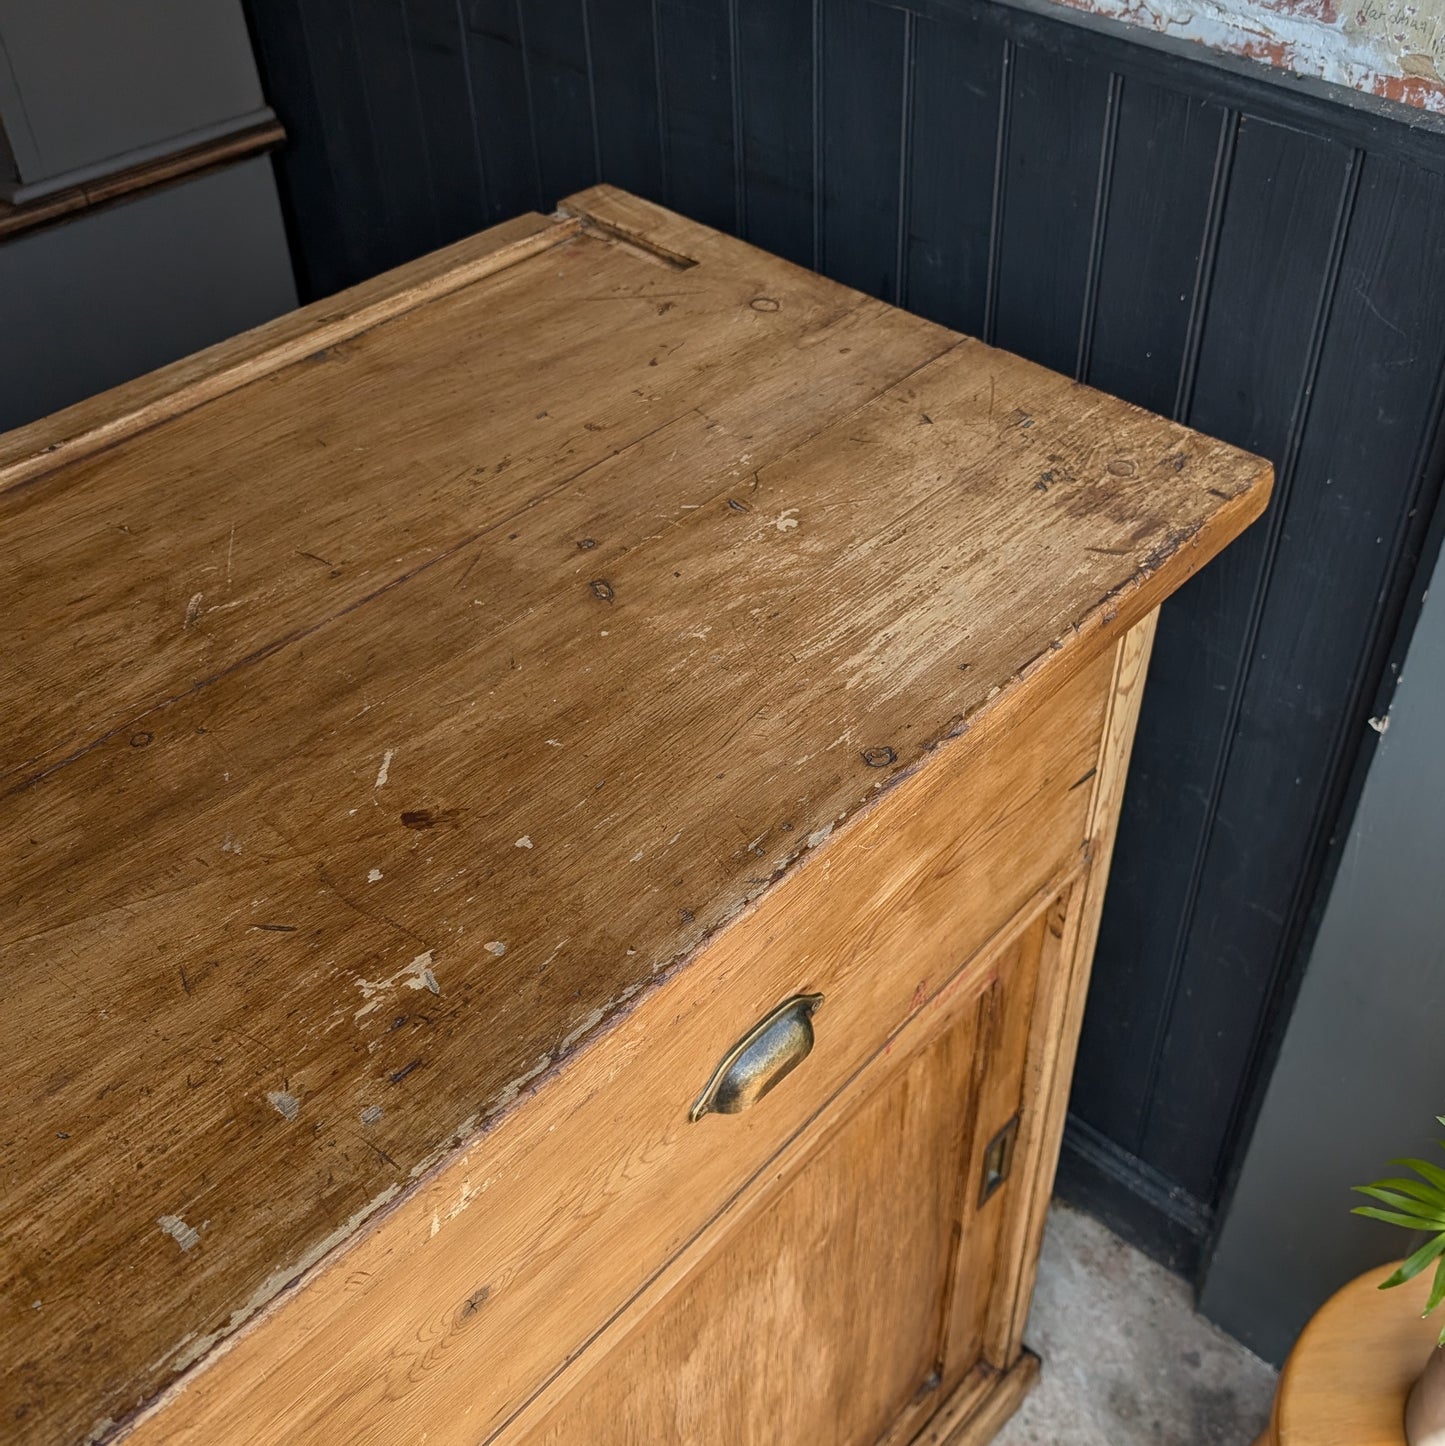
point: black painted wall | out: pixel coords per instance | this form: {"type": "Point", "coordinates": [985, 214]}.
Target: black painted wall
{"type": "Point", "coordinates": [1255, 260]}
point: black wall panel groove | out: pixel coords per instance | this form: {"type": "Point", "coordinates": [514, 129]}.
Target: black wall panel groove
{"type": "Point", "coordinates": [1241, 253]}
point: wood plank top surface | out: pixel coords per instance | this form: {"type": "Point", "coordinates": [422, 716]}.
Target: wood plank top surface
{"type": "Point", "coordinates": [396, 692]}
{"type": "Point", "coordinates": [1351, 1371]}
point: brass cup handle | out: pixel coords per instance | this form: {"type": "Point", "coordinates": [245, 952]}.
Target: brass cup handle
{"type": "Point", "coordinates": [774, 1047]}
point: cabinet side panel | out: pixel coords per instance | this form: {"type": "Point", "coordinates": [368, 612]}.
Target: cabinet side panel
{"type": "Point", "coordinates": [1063, 987]}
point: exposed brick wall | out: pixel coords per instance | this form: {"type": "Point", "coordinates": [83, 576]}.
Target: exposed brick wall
{"type": "Point", "coordinates": [1392, 48]}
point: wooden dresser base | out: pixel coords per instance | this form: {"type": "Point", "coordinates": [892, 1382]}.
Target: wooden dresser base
{"type": "Point", "coordinates": [977, 1410]}
{"type": "Point", "coordinates": [448, 721]}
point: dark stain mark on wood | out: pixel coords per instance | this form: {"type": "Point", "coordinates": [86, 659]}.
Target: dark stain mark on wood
{"type": "Point", "coordinates": [738, 506]}
{"type": "Point", "coordinates": [142, 740]}
{"type": "Point", "coordinates": [686, 915]}
{"type": "Point", "coordinates": [405, 1070]}
{"type": "Point", "coordinates": [602, 589]}
{"type": "Point", "coordinates": [1160, 554]}
{"type": "Point", "coordinates": [879, 757]}
{"type": "Point", "coordinates": [185, 983]}
{"type": "Point", "coordinates": [1080, 782]}
{"type": "Point", "coordinates": [315, 557]}
{"type": "Point", "coordinates": [422, 818]}
{"type": "Point", "coordinates": [474, 1302]}
{"type": "Point", "coordinates": [378, 1151]}
{"type": "Point", "coordinates": [764, 303]}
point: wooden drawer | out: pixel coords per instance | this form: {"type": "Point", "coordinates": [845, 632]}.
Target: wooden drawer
{"type": "Point", "coordinates": [499, 1271]}
{"type": "Point", "coordinates": [754, 1335]}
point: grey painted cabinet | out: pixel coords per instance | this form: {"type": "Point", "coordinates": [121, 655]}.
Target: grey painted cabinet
{"type": "Point", "coordinates": [88, 87]}
{"type": "Point", "coordinates": [179, 247]}
{"type": "Point", "coordinates": [117, 291]}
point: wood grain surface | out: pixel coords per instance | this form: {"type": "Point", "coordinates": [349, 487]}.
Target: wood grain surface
{"type": "Point", "coordinates": [772, 1343]}
{"type": "Point", "coordinates": [569, 1218]}
{"type": "Point", "coordinates": [389, 713]}
{"type": "Point", "coordinates": [1347, 1378]}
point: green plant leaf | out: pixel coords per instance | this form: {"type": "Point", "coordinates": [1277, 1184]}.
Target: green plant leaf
{"type": "Point", "coordinates": [1433, 1173]}
{"type": "Point", "coordinates": [1416, 1263]}
{"type": "Point", "coordinates": [1427, 1194]}
{"type": "Point", "coordinates": [1428, 1218]}
{"type": "Point", "coordinates": [1390, 1217]}
{"type": "Point", "coordinates": [1437, 1289]}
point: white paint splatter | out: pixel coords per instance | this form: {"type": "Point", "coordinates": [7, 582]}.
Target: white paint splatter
{"type": "Point", "coordinates": [373, 876]}
{"type": "Point", "coordinates": [191, 1348]}
{"type": "Point", "coordinates": [417, 975]}
{"type": "Point", "coordinates": [420, 972]}
{"type": "Point", "coordinates": [510, 1092]}
{"type": "Point", "coordinates": [285, 1103]}
{"type": "Point", "coordinates": [1381, 725]}
{"type": "Point", "coordinates": [554, 743]}
{"type": "Point", "coordinates": [184, 1236]}
{"type": "Point", "coordinates": [193, 609]}
{"type": "Point", "coordinates": [819, 836]}
{"type": "Point", "coordinates": [786, 520]}
{"type": "Point", "coordinates": [230, 845]}
{"type": "Point", "coordinates": [592, 1020]}
{"type": "Point", "coordinates": [496, 947]}
{"type": "Point", "coordinates": [525, 842]}
{"type": "Point", "coordinates": [465, 1196]}
{"type": "Point", "coordinates": [385, 769]}
{"type": "Point", "coordinates": [371, 1115]}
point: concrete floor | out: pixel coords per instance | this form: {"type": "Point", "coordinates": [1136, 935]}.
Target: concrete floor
{"type": "Point", "coordinates": [1126, 1359]}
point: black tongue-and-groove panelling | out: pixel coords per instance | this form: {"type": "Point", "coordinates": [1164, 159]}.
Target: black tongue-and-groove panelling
{"type": "Point", "coordinates": [1257, 260]}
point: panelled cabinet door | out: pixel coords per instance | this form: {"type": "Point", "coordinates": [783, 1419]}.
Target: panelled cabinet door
{"type": "Point", "coordinates": [854, 1293]}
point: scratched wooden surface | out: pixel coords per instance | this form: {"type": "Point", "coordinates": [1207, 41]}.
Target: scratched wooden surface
{"type": "Point", "coordinates": [381, 723]}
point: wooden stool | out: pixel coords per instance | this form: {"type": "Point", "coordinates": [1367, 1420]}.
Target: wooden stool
{"type": "Point", "coordinates": [1346, 1380]}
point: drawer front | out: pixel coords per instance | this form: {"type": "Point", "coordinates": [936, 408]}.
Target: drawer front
{"type": "Point", "coordinates": [821, 1307]}
{"type": "Point", "coordinates": [473, 1293]}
